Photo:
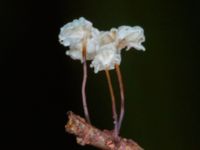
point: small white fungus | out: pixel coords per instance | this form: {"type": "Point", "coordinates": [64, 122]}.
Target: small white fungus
{"type": "Point", "coordinates": [103, 48]}
{"type": "Point", "coordinates": [76, 35]}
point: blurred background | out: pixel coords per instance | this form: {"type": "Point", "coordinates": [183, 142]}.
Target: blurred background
{"type": "Point", "coordinates": [40, 83]}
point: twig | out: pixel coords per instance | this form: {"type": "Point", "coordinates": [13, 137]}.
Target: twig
{"type": "Point", "coordinates": [90, 135]}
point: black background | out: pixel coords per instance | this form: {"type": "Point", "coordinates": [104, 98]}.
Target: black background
{"type": "Point", "coordinates": [40, 83]}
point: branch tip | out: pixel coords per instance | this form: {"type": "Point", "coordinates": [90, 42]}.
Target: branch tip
{"type": "Point", "coordinates": [89, 135]}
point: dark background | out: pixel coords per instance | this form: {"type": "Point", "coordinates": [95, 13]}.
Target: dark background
{"type": "Point", "coordinates": [40, 83]}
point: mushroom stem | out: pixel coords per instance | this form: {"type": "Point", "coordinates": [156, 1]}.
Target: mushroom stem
{"type": "Point", "coordinates": [114, 112]}
{"type": "Point", "coordinates": [84, 101]}
{"type": "Point", "coordinates": [121, 86]}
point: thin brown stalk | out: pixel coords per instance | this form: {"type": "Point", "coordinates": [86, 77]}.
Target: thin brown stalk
{"type": "Point", "coordinates": [121, 86]}
{"type": "Point", "coordinates": [114, 111]}
{"type": "Point", "coordinates": [84, 101]}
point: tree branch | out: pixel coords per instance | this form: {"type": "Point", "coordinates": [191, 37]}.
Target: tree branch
{"type": "Point", "coordinates": [88, 134]}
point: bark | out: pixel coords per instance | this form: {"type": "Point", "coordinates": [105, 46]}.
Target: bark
{"type": "Point", "coordinates": [87, 134]}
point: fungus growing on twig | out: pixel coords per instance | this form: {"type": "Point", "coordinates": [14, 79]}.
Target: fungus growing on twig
{"type": "Point", "coordinates": [103, 49]}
